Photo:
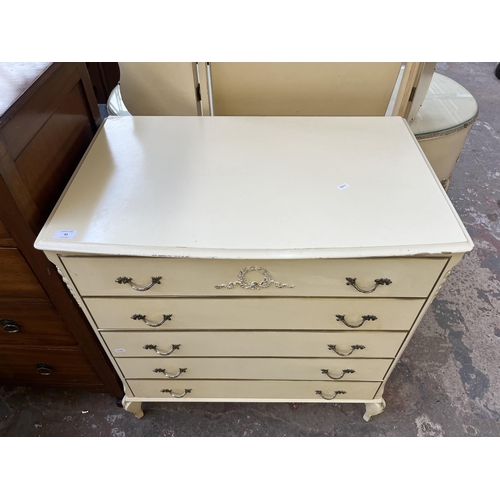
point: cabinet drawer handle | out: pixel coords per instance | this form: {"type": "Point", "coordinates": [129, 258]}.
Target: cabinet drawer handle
{"type": "Point", "coordinates": [186, 391]}
{"type": "Point", "coordinates": [333, 347]}
{"type": "Point", "coordinates": [379, 281]}
{"type": "Point", "coordinates": [335, 394]}
{"type": "Point", "coordinates": [9, 326]}
{"type": "Point", "coordinates": [123, 280]}
{"type": "Point", "coordinates": [341, 317]}
{"type": "Point", "coordinates": [162, 353]}
{"type": "Point", "coordinates": [166, 317]}
{"type": "Point", "coordinates": [327, 373]}
{"type": "Point", "coordinates": [43, 369]}
{"type": "Point", "coordinates": [162, 370]}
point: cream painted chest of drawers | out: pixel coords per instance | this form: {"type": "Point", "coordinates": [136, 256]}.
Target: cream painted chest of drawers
{"type": "Point", "coordinates": [254, 259]}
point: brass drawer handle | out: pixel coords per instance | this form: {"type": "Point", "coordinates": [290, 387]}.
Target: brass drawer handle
{"type": "Point", "coordinates": [162, 353]}
{"type": "Point", "coordinates": [123, 280]}
{"type": "Point", "coordinates": [379, 281]}
{"type": "Point", "coordinates": [186, 391]}
{"type": "Point", "coordinates": [9, 326]}
{"type": "Point", "coordinates": [327, 373]}
{"type": "Point", "coordinates": [341, 317]}
{"type": "Point", "coordinates": [333, 347]}
{"type": "Point", "coordinates": [162, 370]}
{"type": "Point", "coordinates": [254, 285]}
{"type": "Point", "coordinates": [336, 393]}
{"type": "Point", "coordinates": [166, 317]}
{"type": "Point", "coordinates": [43, 369]}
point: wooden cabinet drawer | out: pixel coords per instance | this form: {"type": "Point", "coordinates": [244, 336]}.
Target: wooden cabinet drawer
{"type": "Point", "coordinates": [6, 239]}
{"type": "Point", "coordinates": [17, 281]}
{"type": "Point", "coordinates": [412, 277]}
{"type": "Point", "coordinates": [249, 314]}
{"type": "Point", "coordinates": [256, 344]}
{"type": "Point", "coordinates": [37, 325]}
{"type": "Point", "coordinates": [251, 390]}
{"type": "Point", "coordinates": [255, 368]}
{"type": "Point", "coordinates": [46, 367]}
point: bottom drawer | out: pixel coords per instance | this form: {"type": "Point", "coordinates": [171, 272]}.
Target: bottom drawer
{"type": "Point", "coordinates": [51, 367]}
{"type": "Point", "coordinates": [255, 368]}
{"type": "Point", "coordinates": [244, 390]}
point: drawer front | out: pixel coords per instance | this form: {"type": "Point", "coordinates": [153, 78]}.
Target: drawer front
{"type": "Point", "coordinates": [32, 325]}
{"type": "Point", "coordinates": [263, 390]}
{"type": "Point", "coordinates": [17, 281]}
{"type": "Point", "coordinates": [96, 276]}
{"type": "Point", "coordinates": [46, 367]}
{"type": "Point", "coordinates": [249, 314]}
{"type": "Point", "coordinates": [255, 368]}
{"type": "Point", "coordinates": [255, 344]}
{"type": "Point", "coordinates": [6, 239]}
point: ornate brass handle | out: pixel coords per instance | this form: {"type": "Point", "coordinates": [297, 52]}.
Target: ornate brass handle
{"type": "Point", "coordinates": [123, 280]}
{"type": "Point", "coordinates": [9, 326]}
{"type": "Point", "coordinates": [333, 347]}
{"type": "Point", "coordinates": [335, 394]}
{"type": "Point", "coordinates": [327, 373]}
{"type": "Point", "coordinates": [162, 353]}
{"type": "Point", "coordinates": [186, 391]}
{"type": "Point", "coordinates": [166, 317]}
{"type": "Point", "coordinates": [162, 370]}
{"type": "Point", "coordinates": [341, 317]}
{"type": "Point", "coordinates": [378, 282]}
{"type": "Point", "coordinates": [254, 285]}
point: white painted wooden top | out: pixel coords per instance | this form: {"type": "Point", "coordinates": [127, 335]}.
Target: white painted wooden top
{"type": "Point", "coordinates": [255, 187]}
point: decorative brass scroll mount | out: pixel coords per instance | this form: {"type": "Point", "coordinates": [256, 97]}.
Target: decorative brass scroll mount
{"type": "Point", "coordinates": [254, 285]}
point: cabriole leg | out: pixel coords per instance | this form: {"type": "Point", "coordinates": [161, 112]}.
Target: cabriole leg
{"type": "Point", "coordinates": [134, 407]}
{"type": "Point", "coordinates": [373, 409]}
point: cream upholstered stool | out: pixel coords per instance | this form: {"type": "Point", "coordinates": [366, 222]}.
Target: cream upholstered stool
{"type": "Point", "coordinates": [443, 123]}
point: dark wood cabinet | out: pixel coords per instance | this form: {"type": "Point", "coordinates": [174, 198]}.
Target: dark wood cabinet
{"type": "Point", "coordinates": [105, 77]}
{"type": "Point", "coordinates": [48, 117]}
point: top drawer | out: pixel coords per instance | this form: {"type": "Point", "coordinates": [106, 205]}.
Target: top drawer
{"type": "Point", "coordinates": [17, 280]}
{"type": "Point", "coordinates": [130, 276]}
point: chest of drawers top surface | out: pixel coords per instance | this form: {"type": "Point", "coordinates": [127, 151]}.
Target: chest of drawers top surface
{"type": "Point", "coordinates": [255, 187]}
